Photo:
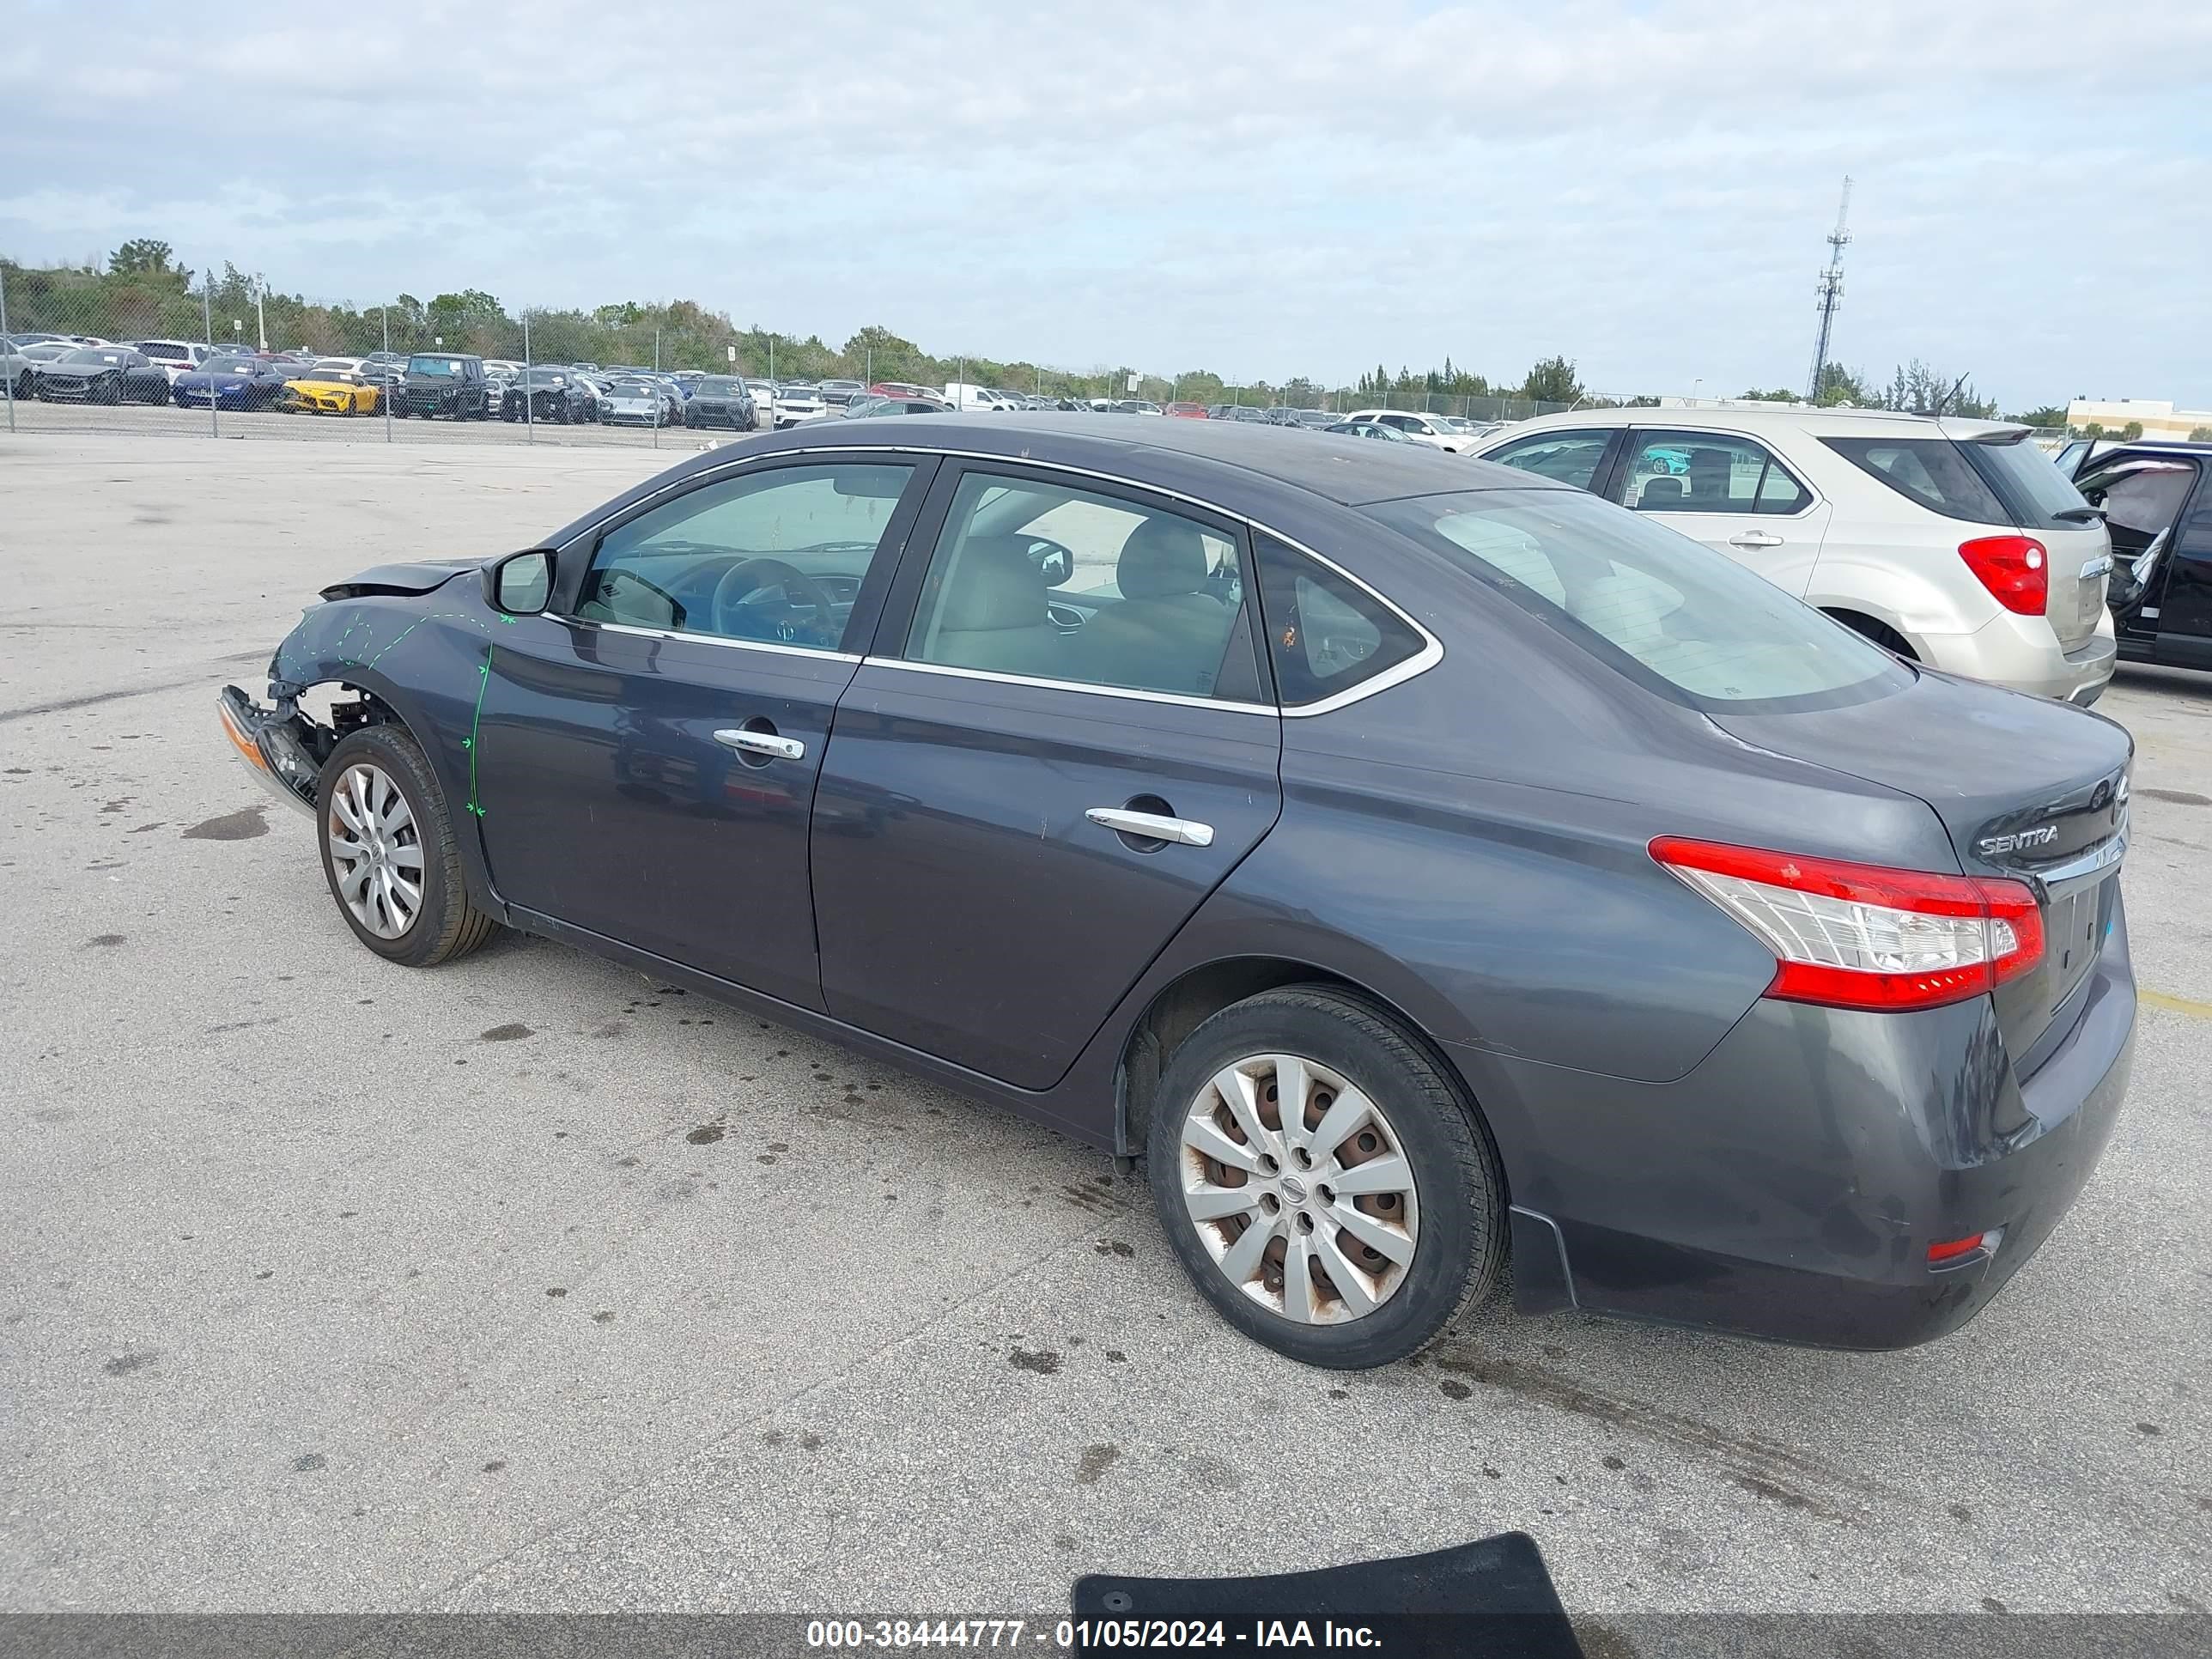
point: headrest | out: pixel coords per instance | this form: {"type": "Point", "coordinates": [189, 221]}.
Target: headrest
{"type": "Point", "coordinates": [1163, 557]}
{"type": "Point", "coordinates": [995, 585]}
{"type": "Point", "coordinates": [1662, 492]}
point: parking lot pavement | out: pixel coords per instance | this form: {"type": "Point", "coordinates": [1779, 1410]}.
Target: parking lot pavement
{"type": "Point", "coordinates": [530, 1283]}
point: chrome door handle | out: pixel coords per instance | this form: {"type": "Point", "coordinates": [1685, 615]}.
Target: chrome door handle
{"type": "Point", "coordinates": [1755, 538]}
{"type": "Point", "coordinates": [1152, 826]}
{"type": "Point", "coordinates": [761, 743]}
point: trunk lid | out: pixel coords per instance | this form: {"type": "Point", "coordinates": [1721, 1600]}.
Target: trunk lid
{"type": "Point", "coordinates": [2025, 787]}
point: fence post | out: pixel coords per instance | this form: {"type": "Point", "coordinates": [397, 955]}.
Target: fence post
{"type": "Point", "coordinates": [384, 401]}
{"type": "Point", "coordinates": [6, 349]}
{"type": "Point", "coordinates": [207, 321]}
{"type": "Point", "coordinates": [658, 390]}
{"type": "Point", "coordinates": [529, 385]}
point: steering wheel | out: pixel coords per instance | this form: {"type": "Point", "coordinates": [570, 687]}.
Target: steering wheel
{"type": "Point", "coordinates": [746, 577]}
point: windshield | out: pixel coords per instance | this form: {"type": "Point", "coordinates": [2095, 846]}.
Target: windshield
{"type": "Point", "coordinates": [229, 365]}
{"type": "Point", "coordinates": [450, 367]}
{"type": "Point", "coordinates": [716, 386]}
{"type": "Point", "coordinates": [91, 359]}
{"type": "Point", "coordinates": [1669, 612]}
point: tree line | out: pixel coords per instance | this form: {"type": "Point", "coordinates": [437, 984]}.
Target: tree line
{"type": "Point", "coordinates": [142, 293]}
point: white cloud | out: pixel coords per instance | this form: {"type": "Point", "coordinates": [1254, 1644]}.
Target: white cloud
{"type": "Point", "coordinates": [1641, 184]}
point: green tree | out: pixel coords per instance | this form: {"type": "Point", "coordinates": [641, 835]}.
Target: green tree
{"type": "Point", "coordinates": [2200, 434]}
{"type": "Point", "coordinates": [143, 256]}
{"type": "Point", "coordinates": [1778, 396]}
{"type": "Point", "coordinates": [2045, 415]}
{"type": "Point", "coordinates": [2131, 431]}
{"type": "Point", "coordinates": [1839, 386]}
{"type": "Point", "coordinates": [1553, 381]}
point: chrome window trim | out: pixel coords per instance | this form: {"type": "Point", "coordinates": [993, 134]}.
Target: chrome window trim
{"type": "Point", "coordinates": [1430, 653]}
{"type": "Point", "coordinates": [1043, 684]}
{"type": "Point", "coordinates": [713, 639]}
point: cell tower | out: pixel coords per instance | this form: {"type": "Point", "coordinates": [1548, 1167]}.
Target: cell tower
{"type": "Point", "coordinates": [1830, 292]}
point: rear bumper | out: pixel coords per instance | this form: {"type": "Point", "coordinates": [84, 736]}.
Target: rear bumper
{"type": "Point", "coordinates": [1789, 1187]}
{"type": "Point", "coordinates": [2022, 655]}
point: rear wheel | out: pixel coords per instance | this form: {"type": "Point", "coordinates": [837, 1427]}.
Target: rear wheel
{"type": "Point", "coordinates": [389, 852]}
{"type": "Point", "coordinates": [1322, 1182]}
{"type": "Point", "coordinates": [1880, 632]}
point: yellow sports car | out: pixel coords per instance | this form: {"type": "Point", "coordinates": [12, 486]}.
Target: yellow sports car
{"type": "Point", "coordinates": [331, 392]}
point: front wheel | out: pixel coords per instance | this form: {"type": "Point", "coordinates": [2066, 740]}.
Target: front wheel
{"type": "Point", "coordinates": [1323, 1181]}
{"type": "Point", "coordinates": [389, 852]}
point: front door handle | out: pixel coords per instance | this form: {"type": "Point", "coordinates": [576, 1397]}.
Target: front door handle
{"type": "Point", "coordinates": [761, 743]}
{"type": "Point", "coordinates": [1755, 538]}
{"type": "Point", "coordinates": [1152, 826]}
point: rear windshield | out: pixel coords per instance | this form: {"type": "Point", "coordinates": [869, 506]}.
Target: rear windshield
{"type": "Point", "coordinates": [1667, 611]}
{"type": "Point", "coordinates": [2029, 484]}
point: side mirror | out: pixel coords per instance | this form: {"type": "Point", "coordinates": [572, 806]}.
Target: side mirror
{"type": "Point", "coordinates": [520, 584]}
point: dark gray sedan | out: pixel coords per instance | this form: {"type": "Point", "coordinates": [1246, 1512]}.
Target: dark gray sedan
{"type": "Point", "coordinates": [1449, 881]}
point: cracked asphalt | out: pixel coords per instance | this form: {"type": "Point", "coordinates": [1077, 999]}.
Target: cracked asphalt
{"type": "Point", "coordinates": [528, 1283]}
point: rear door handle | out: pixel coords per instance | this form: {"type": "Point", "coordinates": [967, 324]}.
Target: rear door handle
{"type": "Point", "coordinates": [1755, 538]}
{"type": "Point", "coordinates": [1152, 826]}
{"type": "Point", "coordinates": [761, 743]}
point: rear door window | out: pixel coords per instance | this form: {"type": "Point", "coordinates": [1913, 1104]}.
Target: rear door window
{"type": "Point", "coordinates": [1707, 472]}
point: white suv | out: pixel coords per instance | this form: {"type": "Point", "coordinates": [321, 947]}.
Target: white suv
{"type": "Point", "coordinates": [1437, 431]}
{"type": "Point", "coordinates": [1955, 543]}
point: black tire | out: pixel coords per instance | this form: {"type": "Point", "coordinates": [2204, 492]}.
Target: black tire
{"type": "Point", "coordinates": [447, 925]}
{"type": "Point", "coordinates": [1460, 1250]}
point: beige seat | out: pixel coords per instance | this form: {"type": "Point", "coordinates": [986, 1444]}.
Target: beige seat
{"type": "Point", "coordinates": [994, 613]}
{"type": "Point", "coordinates": [1168, 631]}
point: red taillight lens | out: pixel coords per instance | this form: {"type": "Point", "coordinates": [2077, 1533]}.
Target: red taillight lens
{"type": "Point", "coordinates": [2015, 569]}
{"type": "Point", "coordinates": [1862, 935]}
{"type": "Point", "coordinates": [1952, 1249]}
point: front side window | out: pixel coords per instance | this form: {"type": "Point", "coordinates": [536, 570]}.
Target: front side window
{"type": "Point", "coordinates": [1706, 472]}
{"type": "Point", "coordinates": [1569, 456]}
{"type": "Point", "coordinates": [1667, 611]}
{"type": "Point", "coordinates": [1034, 578]}
{"type": "Point", "coordinates": [1326, 634]}
{"type": "Point", "coordinates": [773, 558]}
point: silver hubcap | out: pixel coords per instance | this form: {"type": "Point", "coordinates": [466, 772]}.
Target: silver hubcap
{"type": "Point", "coordinates": [1299, 1189]}
{"type": "Point", "coordinates": [376, 852]}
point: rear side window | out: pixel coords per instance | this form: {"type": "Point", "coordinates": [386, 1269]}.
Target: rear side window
{"type": "Point", "coordinates": [1932, 472]}
{"type": "Point", "coordinates": [1570, 456]}
{"type": "Point", "coordinates": [1326, 634]}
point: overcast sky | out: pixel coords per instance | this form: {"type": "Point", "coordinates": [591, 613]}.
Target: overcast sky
{"type": "Point", "coordinates": [1262, 189]}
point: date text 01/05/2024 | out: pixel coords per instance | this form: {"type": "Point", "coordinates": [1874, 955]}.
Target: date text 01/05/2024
{"type": "Point", "coordinates": [835, 1634]}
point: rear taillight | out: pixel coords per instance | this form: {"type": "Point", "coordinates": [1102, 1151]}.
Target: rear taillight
{"type": "Point", "coordinates": [2015, 569]}
{"type": "Point", "coordinates": [1862, 935]}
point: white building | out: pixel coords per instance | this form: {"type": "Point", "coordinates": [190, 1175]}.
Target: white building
{"type": "Point", "coordinates": [2160, 419]}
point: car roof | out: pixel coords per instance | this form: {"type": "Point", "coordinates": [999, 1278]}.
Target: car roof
{"type": "Point", "coordinates": [1828, 423]}
{"type": "Point", "coordinates": [1350, 471]}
